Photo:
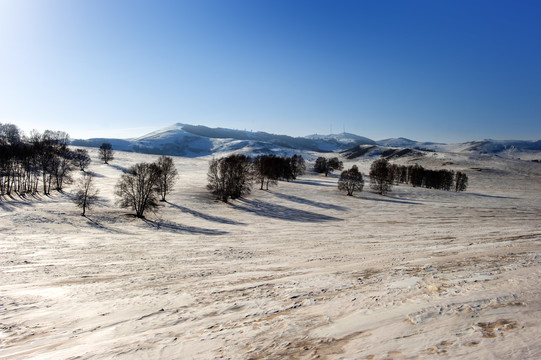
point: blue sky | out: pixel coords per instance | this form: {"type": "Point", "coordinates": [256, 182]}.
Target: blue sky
{"type": "Point", "coordinates": [427, 70]}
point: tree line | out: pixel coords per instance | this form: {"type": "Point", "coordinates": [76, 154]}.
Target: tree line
{"type": "Point", "coordinates": [40, 161]}
{"type": "Point", "coordinates": [233, 176]}
{"type": "Point", "coordinates": [25, 162]}
{"type": "Point", "coordinates": [384, 175]}
{"type": "Point", "coordinates": [418, 176]}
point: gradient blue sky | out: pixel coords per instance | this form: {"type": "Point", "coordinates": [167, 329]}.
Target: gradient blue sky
{"type": "Point", "coordinates": [427, 70]}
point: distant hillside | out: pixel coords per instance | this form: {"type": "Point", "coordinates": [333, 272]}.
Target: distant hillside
{"type": "Point", "coordinates": [379, 151]}
{"type": "Point", "coordinates": [497, 146]}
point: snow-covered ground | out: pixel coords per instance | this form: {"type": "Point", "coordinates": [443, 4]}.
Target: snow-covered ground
{"type": "Point", "coordinates": [300, 271]}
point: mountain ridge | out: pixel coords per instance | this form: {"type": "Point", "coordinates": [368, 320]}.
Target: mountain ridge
{"type": "Point", "coordinates": [198, 140]}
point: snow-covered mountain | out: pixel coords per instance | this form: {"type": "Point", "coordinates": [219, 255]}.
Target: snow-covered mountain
{"type": "Point", "coordinates": [196, 140]}
{"type": "Point", "coordinates": [343, 138]}
{"type": "Point", "coordinates": [192, 141]}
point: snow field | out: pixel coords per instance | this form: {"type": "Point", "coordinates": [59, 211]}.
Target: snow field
{"type": "Point", "coordinates": [300, 271]}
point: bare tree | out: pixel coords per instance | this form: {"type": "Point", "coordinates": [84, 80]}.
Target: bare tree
{"type": "Point", "coordinates": [381, 178]}
{"type": "Point", "coordinates": [62, 167]}
{"type": "Point", "coordinates": [351, 180]}
{"type": "Point", "coordinates": [86, 194]}
{"type": "Point", "coordinates": [138, 188]}
{"type": "Point", "coordinates": [81, 158]}
{"type": "Point", "coordinates": [106, 152]}
{"type": "Point", "coordinates": [167, 175]}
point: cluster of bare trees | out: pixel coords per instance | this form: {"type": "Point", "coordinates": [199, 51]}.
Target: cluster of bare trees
{"type": "Point", "coordinates": [268, 169]}
{"type": "Point", "coordinates": [27, 161]}
{"type": "Point", "coordinates": [232, 177]}
{"type": "Point", "coordinates": [140, 187]}
{"type": "Point", "coordinates": [327, 166]}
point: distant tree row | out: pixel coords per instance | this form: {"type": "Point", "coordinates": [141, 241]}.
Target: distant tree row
{"type": "Point", "coordinates": [232, 177]}
{"type": "Point", "coordinates": [418, 176]}
{"type": "Point", "coordinates": [384, 175]}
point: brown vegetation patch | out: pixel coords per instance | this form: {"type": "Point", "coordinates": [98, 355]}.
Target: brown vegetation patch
{"type": "Point", "coordinates": [495, 328]}
{"type": "Point", "coordinates": [305, 348]}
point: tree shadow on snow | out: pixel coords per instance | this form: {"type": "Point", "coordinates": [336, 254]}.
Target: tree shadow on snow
{"type": "Point", "coordinates": [120, 168]}
{"type": "Point", "coordinates": [93, 174]}
{"type": "Point", "coordinates": [490, 196]}
{"type": "Point", "coordinates": [280, 212]}
{"type": "Point", "coordinates": [316, 183]}
{"type": "Point", "coordinates": [178, 228]}
{"type": "Point", "coordinates": [9, 203]}
{"type": "Point", "coordinates": [7, 207]}
{"type": "Point", "coordinates": [308, 202]}
{"type": "Point", "coordinates": [94, 223]}
{"type": "Point", "coordinates": [205, 216]}
{"type": "Point", "coordinates": [391, 200]}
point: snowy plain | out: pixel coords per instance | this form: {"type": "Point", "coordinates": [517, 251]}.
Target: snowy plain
{"type": "Point", "coordinates": [300, 271]}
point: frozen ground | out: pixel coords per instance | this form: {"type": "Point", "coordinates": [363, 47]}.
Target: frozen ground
{"type": "Point", "coordinates": [299, 272]}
